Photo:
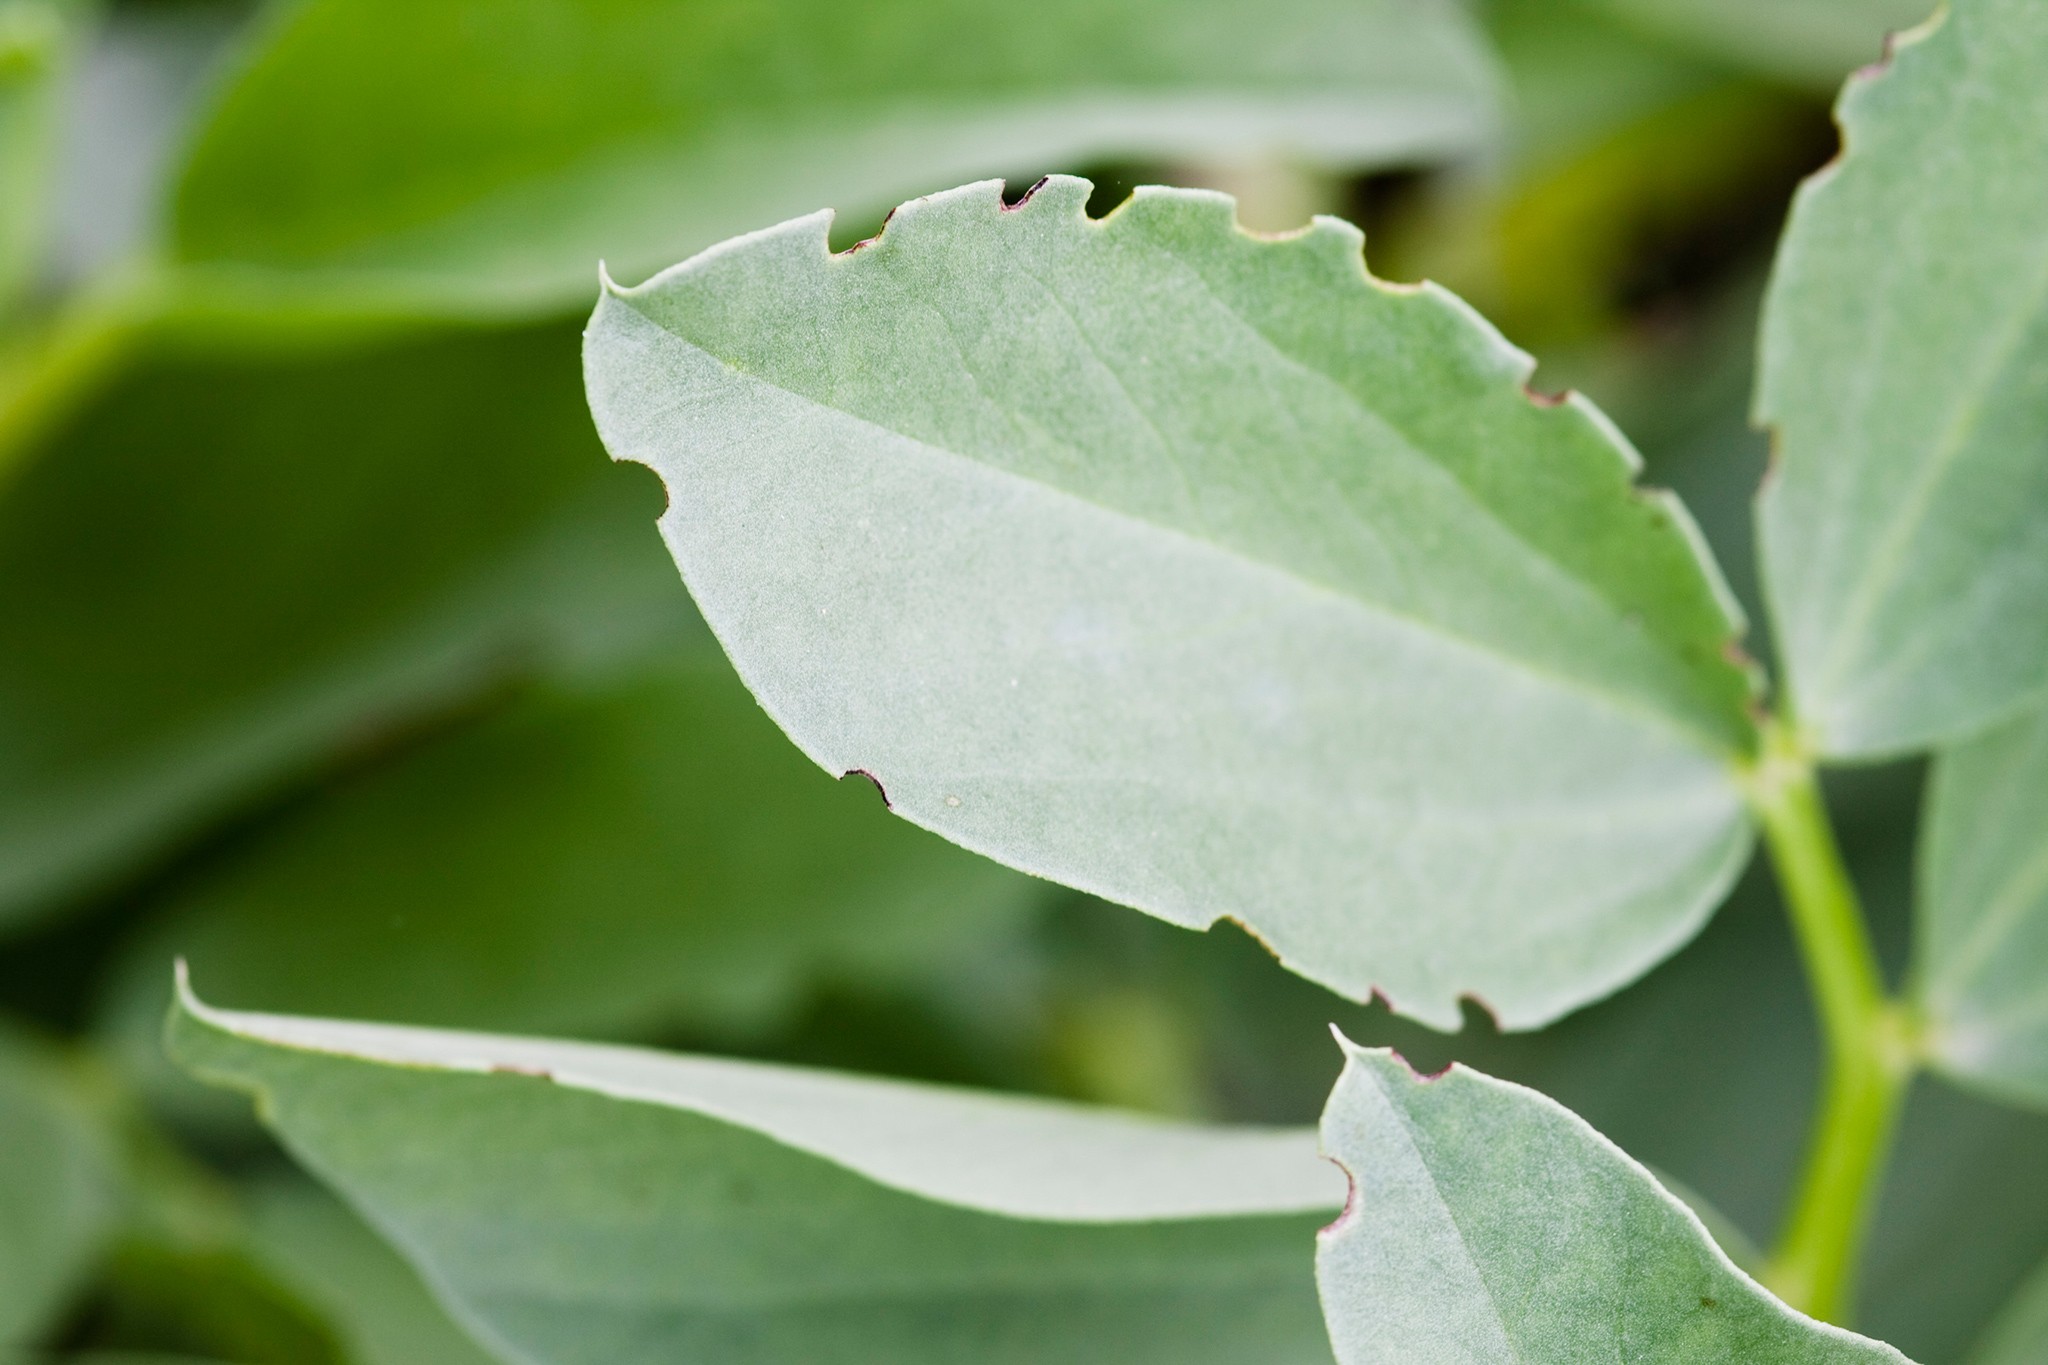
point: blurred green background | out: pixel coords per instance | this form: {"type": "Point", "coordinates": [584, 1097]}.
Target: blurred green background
{"type": "Point", "coordinates": [335, 656]}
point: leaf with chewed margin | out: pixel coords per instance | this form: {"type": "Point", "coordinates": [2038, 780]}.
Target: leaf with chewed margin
{"type": "Point", "coordinates": [1980, 975]}
{"type": "Point", "coordinates": [1904, 368]}
{"type": "Point", "coordinates": [480, 156]}
{"type": "Point", "coordinates": [1205, 573]}
{"type": "Point", "coordinates": [1489, 1223]}
{"type": "Point", "coordinates": [577, 1203]}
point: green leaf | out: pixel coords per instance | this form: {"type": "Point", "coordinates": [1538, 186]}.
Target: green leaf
{"type": "Point", "coordinates": [614, 861]}
{"type": "Point", "coordinates": [1905, 370]}
{"type": "Point", "coordinates": [1488, 1223]}
{"type": "Point", "coordinates": [1811, 42]}
{"type": "Point", "coordinates": [595, 1204]}
{"type": "Point", "coordinates": [35, 43]}
{"type": "Point", "coordinates": [1981, 974]}
{"type": "Point", "coordinates": [376, 1302]}
{"type": "Point", "coordinates": [485, 155]}
{"type": "Point", "coordinates": [2019, 1336]}
{"type": "Point", "coordinates": [1206, 574]}
{"type": "Point", "coordinates": [59, 1191]}
{"type": "Point", "coordinates": [231, 572]}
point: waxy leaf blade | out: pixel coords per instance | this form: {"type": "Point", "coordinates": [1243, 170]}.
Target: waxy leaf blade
{"type": "Point", "coordinates": [1488, 1223]}
{"type": "Point", "coordinates": [1905, 371]}
{"type": "Point", "coordinates": [481, 156]}
{"type": "Point", "coordinates": [1981, 943]}
{"type": "Point", "coordinates": [1204, 573]}
{"type": "Point", "coordinates": [594, 1204]}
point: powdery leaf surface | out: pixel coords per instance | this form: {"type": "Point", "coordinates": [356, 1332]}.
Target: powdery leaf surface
{"type": "Point", "coordinates": [576, 1203]}
{"type": "Point", "coordinates": [1904, 534]}
{"type": "Point", "coordinates": [1204, 573]}
{"type": "Point", "coordinates": [1488, 1223]}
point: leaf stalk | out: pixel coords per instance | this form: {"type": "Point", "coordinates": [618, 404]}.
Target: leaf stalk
{"type": "Point", "coordinates": [1868, 1038]}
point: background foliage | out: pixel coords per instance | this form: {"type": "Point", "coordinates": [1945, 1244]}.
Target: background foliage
{"type": "Point", "coordinates": [338, 659]}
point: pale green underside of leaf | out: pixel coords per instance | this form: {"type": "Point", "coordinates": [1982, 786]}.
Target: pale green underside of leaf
{"type": "Point", "coordinates": [1814, 42]}
{"type": "Point", "coordinates": [1905, 370]}
{"type": "Point", "coordinates": [1981, 974]}
{"type": "Point", "coordinates": [592, 1204]}
{"type": "Point", "coordinates": [1488, 1223]}
{"type": "Point", "coordinates": [608, 861]}
{"type": "Point", "coordinates": [1205, 574]}
{"type": "Point", "coordinates": [57, 1193]}
{"type": "Point", "coordinates": [2019, 1335]}
{"type": "Point", "coordinates": [482, 156]}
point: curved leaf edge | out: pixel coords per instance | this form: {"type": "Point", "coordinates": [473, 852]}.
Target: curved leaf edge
{"type": "Point", "coordinates": [1385, 1065]}
{"type": "Point", "coordinates": [1293, 1179]}
{"type": "Point", "coordinates": [1328, 233]}
{"type": "Point", "coordinates": [1846, 114]}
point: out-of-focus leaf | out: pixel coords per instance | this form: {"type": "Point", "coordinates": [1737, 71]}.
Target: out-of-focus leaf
{"type": "Point", "coordinates": [484, 154]}
{"type": "Point", "coordinates": [376, 1302]}
{"type": "Point", "coordinates": [224, 575]}
{"type": "Point", "coordinates": [590, 1204]}
{"type": "Point", "coordinates": [2020, 1335]}
{"type": "Point", "coordinates": [1204, 573]}
{"type": "Point", "coordinates": [126, 109]}
{"type": "Point", "coordinates": [208, 1301]}
{"type": "Point", "coordinates": [615, 862]}
{"type": "Point", "coordinates": [1981, 978]}
{"type": "Point", "coordinates": [1636, 172]}
{"type": "Point", "coordinates": [59, 1191]}
{"type": "Point", "coordinates": [1964, 1219]}
{"type": "Point", "coordinates": [1905, 370]}
{"type": "Point", "coordinates": [37, 38]}
{"type": "Point", "coordinates": [1487, 1222]}
{"type": "Point", "coordinates": [1810, 42]}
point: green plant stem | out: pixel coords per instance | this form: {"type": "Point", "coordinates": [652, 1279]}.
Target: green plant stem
{"type": "Point", "coordinates": [1869, 1059]}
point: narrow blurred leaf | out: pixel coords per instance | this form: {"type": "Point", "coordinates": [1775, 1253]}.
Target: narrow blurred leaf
{"type": "Point", "coordinates": [1488, 1223]}
{"type": "Point", "coordinates": [486, 154]}
{"type": "Point", "coordinates": [127, 114]}
{"type": "Point", "coordinates": [375, 1300]}
{"type": "Point", "coordinates": [614, 862]}
{"type": "Point", "coordinates": [2020, 1335]}
{"type": "Point", "coordinates": [208, 1301]}
{"type": "Point", "coordinates": [1905, 369]}
{"type": "Point", "coordinates": [1981, 975]}
{"type": "Point", "coordinates": [36, 40]}
{"type": "Point", "coordinates": [1811, 42]}
{"type": "Point", "coordinates": [1204, 573]}
{"type": "Point", "coordinates": [224, 575]}
{"type": "Point", "coordinates": [58, 1191]}
{"type": "Point", "coordinates": [590, 1204]}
